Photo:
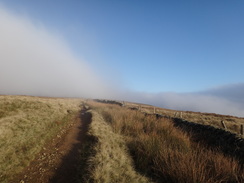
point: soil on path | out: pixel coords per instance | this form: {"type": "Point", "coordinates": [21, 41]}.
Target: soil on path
{"type": "Point", "coordinates": [58, 162]}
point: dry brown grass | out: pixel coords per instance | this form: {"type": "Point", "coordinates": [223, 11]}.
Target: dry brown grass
{"type": "Point", "coordinates": [110, 161]}
{"type": "Point", "coordinates": [26, 123]}
{"type": "Point", "coordinates": [232, 123]}
{"type": "Point", "coordinates": [165, 153]}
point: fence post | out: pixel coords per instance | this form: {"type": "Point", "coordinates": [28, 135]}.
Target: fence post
{"type": "Point", "coordinates": [139, 108]}
{"type": "Point", "coordinates": [223, 124]}
{"type": "Point", "coordinates": [175, 114]}
{"type": "Point", "coordinates": [242, 130]}
{"type": "Point", "coordinates": [180, 114]}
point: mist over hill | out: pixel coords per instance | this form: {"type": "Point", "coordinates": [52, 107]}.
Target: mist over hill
{"type": "Point", "coordinates": [37, 61]}
{"type": "Point", "coordinates": [226, 99]}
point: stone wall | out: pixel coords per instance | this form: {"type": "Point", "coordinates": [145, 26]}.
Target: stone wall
{"type": "Point", "coordinates": [229, 143]}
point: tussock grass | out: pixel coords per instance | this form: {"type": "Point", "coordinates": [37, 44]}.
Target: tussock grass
{"type": "Point", "coordinates": [26, 123]}
{"type": "Point", "coordinates": [166, 154]}
{"type": "Point", "coordinates": [110, 162]}
{"type": "Point", "coordinates": [232, 123]}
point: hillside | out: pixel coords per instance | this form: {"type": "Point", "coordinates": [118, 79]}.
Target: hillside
{"type": "Point", "coordinates": [232, 123]}
{"type": "Point", "coordinates": [76, 140]}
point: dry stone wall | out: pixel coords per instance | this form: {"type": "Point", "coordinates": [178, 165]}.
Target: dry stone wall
{"type": "Point", "coordinates": [229, 143]}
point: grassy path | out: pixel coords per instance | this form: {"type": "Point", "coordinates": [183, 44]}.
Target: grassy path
{"type": "Point", "coordinates": [59, 160]}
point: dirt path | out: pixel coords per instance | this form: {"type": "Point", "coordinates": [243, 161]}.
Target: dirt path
{"type": "Point", "coordinates": [58, 161]}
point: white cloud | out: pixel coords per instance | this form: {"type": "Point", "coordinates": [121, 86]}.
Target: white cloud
{"type": "Point", "coordinates": [35, 61]}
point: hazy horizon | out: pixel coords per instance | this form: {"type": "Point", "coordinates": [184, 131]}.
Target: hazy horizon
{"type": "Point", "coordinates": [39, 58]}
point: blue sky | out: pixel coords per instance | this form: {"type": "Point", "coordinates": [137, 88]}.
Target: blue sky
{"type": "Point", "coordinates": [153, 46]}
{"type": "Point", "coordinates": [155, 50]}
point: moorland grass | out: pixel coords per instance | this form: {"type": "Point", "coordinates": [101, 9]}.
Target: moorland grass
{"type": "Point", "coordinates": [26, 123]}
{"type": "Point", "coordinates": [166, 154]}
{"type": "Point", "coordinates": [110, 161]}
{"type": "Point", "coordinates": [232, 123]}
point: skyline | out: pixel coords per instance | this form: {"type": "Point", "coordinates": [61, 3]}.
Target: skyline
{"type": "Point", "coordinates": [157, 52]}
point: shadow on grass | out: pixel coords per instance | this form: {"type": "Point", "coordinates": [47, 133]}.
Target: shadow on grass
{"type": "Point", "coordinates": [213, 138]}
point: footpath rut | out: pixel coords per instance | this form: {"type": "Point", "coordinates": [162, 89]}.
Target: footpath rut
{"type": "Point", "coordinates": [59, 160]}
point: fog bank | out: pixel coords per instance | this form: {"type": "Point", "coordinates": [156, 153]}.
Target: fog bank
{"type": "Point", "coordinates": [35, 61]}
{"type": "Point", "coordinates": [227, 99]}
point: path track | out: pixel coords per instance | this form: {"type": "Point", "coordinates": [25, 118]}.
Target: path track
{"type": "Point", "coordinates": [58, 161]}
